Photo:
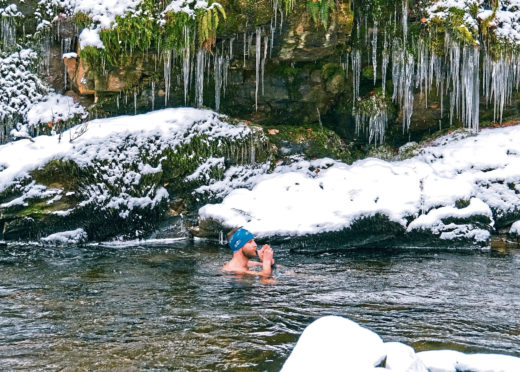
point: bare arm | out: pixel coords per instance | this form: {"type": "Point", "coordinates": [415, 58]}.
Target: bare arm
{"type": "Point", "coordinates": [266, 262]}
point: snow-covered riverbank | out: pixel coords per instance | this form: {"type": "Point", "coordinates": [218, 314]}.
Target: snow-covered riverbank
{"type": "Point", "coordinates": [458, 187]}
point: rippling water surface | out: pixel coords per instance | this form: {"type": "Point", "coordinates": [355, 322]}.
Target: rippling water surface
{"type": "Point", "coordinates": [170, 308]}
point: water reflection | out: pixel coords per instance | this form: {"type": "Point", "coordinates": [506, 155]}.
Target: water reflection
{"type": "Point", "coordinates": [170, 308]}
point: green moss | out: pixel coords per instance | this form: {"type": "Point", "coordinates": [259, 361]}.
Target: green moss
{"type": "Point", "coordinates": [462, 203]}
{"type": "Point", "coordinates": [82, 20]}
{"type": "Point", "coordinates": [312, 141]}
{"type": "Point", "coordinates": [58, 174]}
{"type": "Point", "coordinates": [329, 70]}
{"type": "Point", "coordinates": [42, 207]}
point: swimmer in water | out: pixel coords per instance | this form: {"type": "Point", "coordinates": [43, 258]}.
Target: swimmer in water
{"type": "Point", "coordinates": [244, 248]}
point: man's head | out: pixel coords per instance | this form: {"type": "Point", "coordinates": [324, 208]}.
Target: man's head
{"type": "Point", "coordinates": [241, 239]}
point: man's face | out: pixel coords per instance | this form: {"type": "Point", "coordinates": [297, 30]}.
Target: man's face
{"type": "Point", "coordinates": [249, 249]}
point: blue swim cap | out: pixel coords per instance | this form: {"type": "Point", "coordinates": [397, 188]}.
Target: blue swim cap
{"type": "Point", "coordinates": [239, 239]}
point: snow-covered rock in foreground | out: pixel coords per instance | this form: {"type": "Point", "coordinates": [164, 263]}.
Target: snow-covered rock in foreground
{"type": "Point", "coordinates": [460, 188]}
{"type": "Point", "coordinates": [333, 343]}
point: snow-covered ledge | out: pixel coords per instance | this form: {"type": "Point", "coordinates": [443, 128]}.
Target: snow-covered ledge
{"type": "Point", "coordinates": [333, 343]}
{"type": "Point", "coordinates": [460, 187]}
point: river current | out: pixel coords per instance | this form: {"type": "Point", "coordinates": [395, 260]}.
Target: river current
{"type": "Point", "coordinates": [169, 308]}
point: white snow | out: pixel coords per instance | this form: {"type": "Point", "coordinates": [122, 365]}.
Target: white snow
{"type": "Point", "coordinates": [89, 37]}
{"type": "Point", "coordinates": [515, 228]}
{"type": "Point", "coordinates": [453, 361]}
{"type": "Point", "coordinates": [401, 357]}
{"type": "Point", "coordinates": [333, 343]}
{"type": "Point", "coordinates": [54, 108]}
{"type": "Point", "coordinates": [506, 23]}
{"type": "Point", "coordinates": [326, 195]}
{"type": "Point", "coordinates": [67, 237]}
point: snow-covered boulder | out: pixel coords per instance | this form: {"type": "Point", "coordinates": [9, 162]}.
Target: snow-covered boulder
{"type": "Point", "coordinates": [118, 176]}
{"type": "Point", "coordinates": [402, 358]}
{"type": "Point", "coordinates": [334, 343]}
{"type": "Point", "coordinates": [458, 190]}
{"type": "Point", "coordinates": [515, 229]}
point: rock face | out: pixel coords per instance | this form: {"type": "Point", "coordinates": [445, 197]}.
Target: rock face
{"type": "Point", "coordinates": [296, 65]}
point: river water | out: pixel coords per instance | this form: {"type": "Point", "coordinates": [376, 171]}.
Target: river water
{"type": "Point", "coordinates": [169, 308]}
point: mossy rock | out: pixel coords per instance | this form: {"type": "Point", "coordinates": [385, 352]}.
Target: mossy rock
{"type": "Point", "coordinates": [311, 141]}
{"type": "Point", "coordinates": [58, 174]}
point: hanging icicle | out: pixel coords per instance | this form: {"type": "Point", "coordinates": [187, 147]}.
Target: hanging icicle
{"type": "Point", "coordinates": [356, 74]}
{"type": "Point", "coordinates": [405, 20]}
{"type": "Point", "coordinates": [218, 77]}
{"type": "Point", "coordinates": [374, 51]}
{"type": "Point", "coordinates": [384, 62]}
{"type": "Point", "coordinates": [186, 61]}
{"type": "Point", "coordinates": [167, 75]}
{"type": "Point", "coordinates": [402, 76]}
{"type": "Point", "coordinates": [470, 87]}
{"type": "Point", "coordinates": [199, 78]}
{"type": "Point", "coordinates": [258, 46]}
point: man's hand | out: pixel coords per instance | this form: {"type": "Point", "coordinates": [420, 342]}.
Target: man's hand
{"type": "Point", "coordinates": [267, 255]}
{"type": "Point", "coordinates": [261, 254]}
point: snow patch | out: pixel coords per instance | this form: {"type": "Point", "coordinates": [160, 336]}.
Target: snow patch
{"type": "Point", "coordinates": [67, 237]}
{"type": "Point", "coordinates": [515, 228]}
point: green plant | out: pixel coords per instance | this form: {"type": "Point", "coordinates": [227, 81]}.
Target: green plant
{"type": "Point", "coordinates": [320, 10]}
{"type": "Point", "coordinates": [207, 24]}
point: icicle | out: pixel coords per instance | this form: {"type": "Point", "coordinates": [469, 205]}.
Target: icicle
{"type": "Point", "coordinates": [356, 74]}
{"type": "Point", "coordinates": [470, 87]}
{"type": "Point", "coordinates": [167, 75]}
{"type": "Point", "coordinates": [405, 20]}
{"type": "Point", "coordinates": [117, 101]}
{"type": "Point", "coordinates": [153, 95]}
{"type": "Point", "coordinates": [231, 47]}
{"type": "Point", "coordinates": [217, 74]}
{"type": "Point", "coordinates": [501, 86]}
{"type": "Point", "coordinates": [422, 69]}
{"type": "Point", "coordinates": [135, 102]}
{"type": "Point", "coordinates": [266, 42]}
{"type": "Point", "coordinates": [275, 10]}
{"type": "Point", "coordinates": [186, 58]}
{"type": "Point", "coordinates": [8, 31]}
{"type": "Point", "coordinates": [199, 78]}
{"type": "Point", "coordinates": [258, 46]}
{"type": "Point", "coordinates": [245, 48]}
{"type": "Point", "coordinates": [384, 62]}
{"type": "Point", "coordinates": [273, 29]}
{"type": "Point", "coordinates": [374, 51]}
{"type": "Point", "coordinates": [454, 75]}
{"type": "Point", "coordinates": [402, 76]}
{"type": "Point", "coordinates": [252, 149]}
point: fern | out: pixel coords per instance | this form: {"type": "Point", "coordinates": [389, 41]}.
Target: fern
{"type": "Point", "coordinates": [207, 23]}
{"type": "Point", "coordinates": [320, 10]}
